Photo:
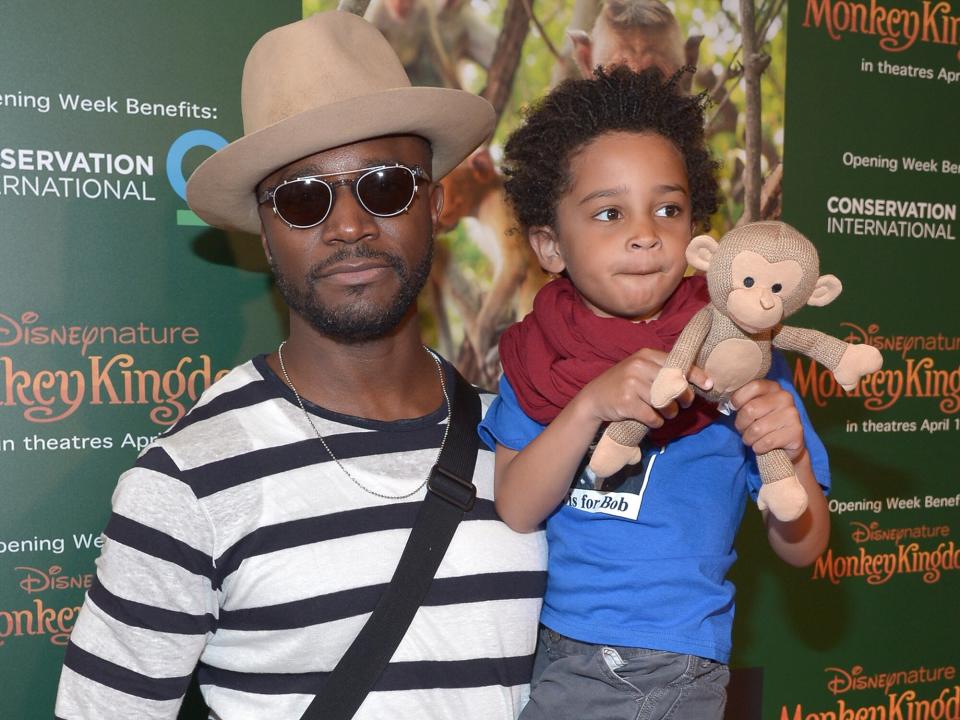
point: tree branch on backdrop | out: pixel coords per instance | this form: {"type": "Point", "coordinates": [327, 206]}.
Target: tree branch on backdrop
{"type": "Point", "coordinates": [754, 63]}
{"type": "Point", "coordinates": [506, 58]}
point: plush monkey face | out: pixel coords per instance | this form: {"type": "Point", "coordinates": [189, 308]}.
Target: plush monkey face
{"type": "Point", "coordinates": [758, 288]}
{"type": "Point", "coordinates": [761, 272]}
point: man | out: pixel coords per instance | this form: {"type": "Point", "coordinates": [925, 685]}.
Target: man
{"type": "Point", "coordinates": [255, 537]}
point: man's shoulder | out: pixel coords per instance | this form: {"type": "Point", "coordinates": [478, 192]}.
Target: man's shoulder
{"type": "Point", "coordinates": [222, 414]}
{"type": "Point", "coordinates": [243, 383]}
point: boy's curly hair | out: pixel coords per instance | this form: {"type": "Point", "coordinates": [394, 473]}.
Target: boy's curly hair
{"type": "Point", "coordinates": [537, 155]}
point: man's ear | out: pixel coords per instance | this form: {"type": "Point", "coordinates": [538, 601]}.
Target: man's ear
{"type": "Point", "coordinates": [582, 51]}
{"type": "Point", "coordinates": [436, 205]}
{"type": "Point", "coordinates": [264, 242]}
{"type": "Point", "coordinates": [700, 252]}
{"type": "Point", "coordinates": [543, 240]}
{"type": "Point", "coordinates": [826, 290]}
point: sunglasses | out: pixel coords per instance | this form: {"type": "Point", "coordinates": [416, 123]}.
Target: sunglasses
{"type": "Point", "coordinates": [384, 191]}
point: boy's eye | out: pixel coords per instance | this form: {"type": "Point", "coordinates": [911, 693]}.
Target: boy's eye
{"type": "Point", "coordinates": [668, 211]}
{"type": "Point", "coordinates": [608, 214]}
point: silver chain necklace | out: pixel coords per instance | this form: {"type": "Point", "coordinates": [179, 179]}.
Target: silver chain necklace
{"type": "Point", "coordinates": [446, 430]}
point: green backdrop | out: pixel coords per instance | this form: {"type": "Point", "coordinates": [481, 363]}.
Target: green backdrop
{"type": "Point", "coordinates": [117, 308]}
{"type": "Point", "coordinates": [97, 272]}
{"type": "Point", "coordinates": [871, 175]}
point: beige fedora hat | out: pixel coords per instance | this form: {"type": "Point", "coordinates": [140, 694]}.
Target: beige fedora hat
{"type": "Point", "coordinates": [329, 80]}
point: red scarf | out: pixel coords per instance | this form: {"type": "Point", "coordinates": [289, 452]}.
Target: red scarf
{"type": "Point", "coordinates": [562, 345]}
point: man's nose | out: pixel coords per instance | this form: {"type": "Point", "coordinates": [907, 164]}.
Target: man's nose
{"type": "Point", "coordinates": [348, 221]}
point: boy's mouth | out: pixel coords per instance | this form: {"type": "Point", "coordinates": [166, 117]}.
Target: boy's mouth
{"type": "Point", "coordinates": [641, 271]}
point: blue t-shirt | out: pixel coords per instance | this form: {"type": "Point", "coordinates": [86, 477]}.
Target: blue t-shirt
{"type": "Point", "coordinates": [646, 564]}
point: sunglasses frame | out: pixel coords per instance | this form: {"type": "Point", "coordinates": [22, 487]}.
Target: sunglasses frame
{"type": "Point", "coordinates": [416, 172]}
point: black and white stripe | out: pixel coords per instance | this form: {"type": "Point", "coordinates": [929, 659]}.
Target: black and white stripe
{"type": "Point", "coordinates": [237, 547]}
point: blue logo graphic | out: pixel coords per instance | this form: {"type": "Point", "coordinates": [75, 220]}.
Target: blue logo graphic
{"type": "Point", "coordinates": [178, 150]}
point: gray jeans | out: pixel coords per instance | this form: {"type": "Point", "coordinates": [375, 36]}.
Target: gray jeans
{"type": "Point", "coordinates": [581, 681]}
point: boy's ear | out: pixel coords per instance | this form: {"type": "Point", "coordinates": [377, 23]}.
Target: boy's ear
{"type": "Point", "coordinates": [545, 246]}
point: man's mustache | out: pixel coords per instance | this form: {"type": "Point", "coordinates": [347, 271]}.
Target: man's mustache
{"type": "Point", "coordinates": [359, 252]}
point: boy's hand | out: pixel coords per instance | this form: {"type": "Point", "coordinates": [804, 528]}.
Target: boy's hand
{"type": "Point", "coordinates": [623, 391]}
{"type": "Point", "coordinates": [767, 418]}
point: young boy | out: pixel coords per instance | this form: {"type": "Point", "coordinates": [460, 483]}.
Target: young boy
{"type": "Point", "coordinates": [609, 177]}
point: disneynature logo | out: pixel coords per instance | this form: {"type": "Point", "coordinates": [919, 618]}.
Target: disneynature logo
{"type": "Point", "coordinates": [44, 617]}
{"type": "Point", "coordinates": [918, 377]}
{"type": "Point", "coordinates": [908, 694]}
{"type": "Point", "coordinates": [108, 375]}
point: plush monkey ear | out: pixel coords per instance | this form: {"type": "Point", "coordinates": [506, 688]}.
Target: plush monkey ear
{"type": "Point", "coordinates": [700, 251]}
{"type": "Point", "coordinates": [545, 246]}
{"type": "Point", "coordinates": [825, 291]}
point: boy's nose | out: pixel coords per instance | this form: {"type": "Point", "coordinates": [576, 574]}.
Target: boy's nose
{"type": "Point", "coordinates": [644, 238]}
{"type": "Point", "coordinates": [643, 233]}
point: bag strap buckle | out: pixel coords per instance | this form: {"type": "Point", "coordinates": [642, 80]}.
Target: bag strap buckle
{"type": "Point", "coordinates": [460, 493]}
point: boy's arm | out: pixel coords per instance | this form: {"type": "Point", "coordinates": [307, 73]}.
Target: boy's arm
{"type": "Point", "coordinates": [767, 418]}
{"type": "Point", "coordinates": [531, 483]}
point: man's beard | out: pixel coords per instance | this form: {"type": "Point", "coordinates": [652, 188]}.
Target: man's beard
{"type": "Point", "coordinates": [363, 320]}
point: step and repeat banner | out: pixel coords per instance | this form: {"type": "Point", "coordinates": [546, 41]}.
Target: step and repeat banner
{"type": "Point", "coordinates": [872, 175]}
{"type": "Point", "coordinates": [116, 307]}
{"type": "Point", "coordinates": [119, 307]}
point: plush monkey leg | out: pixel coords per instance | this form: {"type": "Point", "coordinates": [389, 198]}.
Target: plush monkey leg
{"type": "Point", "coordinates": [667, 386]}
{"type": "Point", "coordinates": [619, 446]}
{"type": "Point", "coordinates": [781, 492]}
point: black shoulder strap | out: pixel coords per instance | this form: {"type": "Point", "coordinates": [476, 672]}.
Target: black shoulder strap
{"type": "Point", "coordinates": [450, 494]}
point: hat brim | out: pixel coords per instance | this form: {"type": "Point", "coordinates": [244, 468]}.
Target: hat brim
{"type": "Point", "coordinates": [221, 191]}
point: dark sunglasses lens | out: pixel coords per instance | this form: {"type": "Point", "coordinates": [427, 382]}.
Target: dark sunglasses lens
{"type": "Point", "coordinates": [304, 202]}
{"type": "Point", "coordinates": [387, 191]}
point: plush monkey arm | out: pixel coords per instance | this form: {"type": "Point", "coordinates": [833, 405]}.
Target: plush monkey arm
{"type": "Point", "coordinates": [848, 362]}
{"type": "Point", "coordinates": [619, 445]}
{"type": "Point", "coordinates": [672, 379]}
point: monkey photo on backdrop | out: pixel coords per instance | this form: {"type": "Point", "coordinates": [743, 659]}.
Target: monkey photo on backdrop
{"type": "Point", "coordinates": [757, 275]}
{"type": "Point", "coordinates": [474, 190]}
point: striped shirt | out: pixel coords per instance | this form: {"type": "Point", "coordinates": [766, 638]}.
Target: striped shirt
{"type": "Point", "coordinates": [237, 547]}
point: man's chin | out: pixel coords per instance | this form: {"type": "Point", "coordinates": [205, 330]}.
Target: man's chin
{"type": "Point", "coordinates": [353, 324]}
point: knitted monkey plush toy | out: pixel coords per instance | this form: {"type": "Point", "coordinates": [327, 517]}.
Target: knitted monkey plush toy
{"type": "Point", "coordinates": [757, 275]}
